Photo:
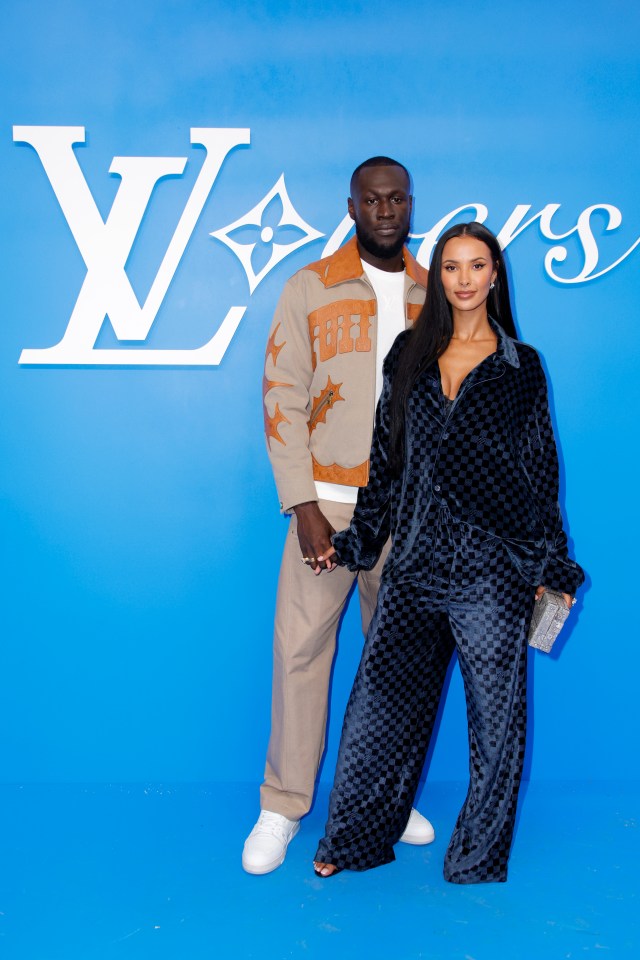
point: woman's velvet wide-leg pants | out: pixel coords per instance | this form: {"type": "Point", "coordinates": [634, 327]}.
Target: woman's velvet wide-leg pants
{"type": "Point", "coordinates": [476, 603]}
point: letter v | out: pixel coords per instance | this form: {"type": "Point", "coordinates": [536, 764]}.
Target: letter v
{"type": "Point", "coordinates": [105, 247]}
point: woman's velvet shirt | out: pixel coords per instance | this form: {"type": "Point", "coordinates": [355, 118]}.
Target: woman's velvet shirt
{"type": "Point", "coordinates": [489, 459]}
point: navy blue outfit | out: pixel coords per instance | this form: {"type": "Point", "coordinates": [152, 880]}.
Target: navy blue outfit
{"type": "Point", "coordinates": [475, 527]}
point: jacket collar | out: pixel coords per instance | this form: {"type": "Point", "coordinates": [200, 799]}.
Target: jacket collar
{"type": "Point", "coordinates": [345, 264]}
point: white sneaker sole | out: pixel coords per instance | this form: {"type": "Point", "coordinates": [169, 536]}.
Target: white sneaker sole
{"type": "Point", "coordinates": [417, 840]}
{"type": "Point", "coordinates": [258, 871]}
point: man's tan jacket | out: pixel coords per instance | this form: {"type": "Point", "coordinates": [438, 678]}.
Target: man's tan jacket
{"type": "Point", "coordinates": [320, 373]}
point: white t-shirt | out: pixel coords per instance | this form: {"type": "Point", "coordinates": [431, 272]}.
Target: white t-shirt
{"type": "Point", "coordinates": [389, 291]}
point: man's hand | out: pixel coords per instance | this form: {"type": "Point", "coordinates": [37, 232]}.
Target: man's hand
{"type": "Point", "coordinates": [314, 536]}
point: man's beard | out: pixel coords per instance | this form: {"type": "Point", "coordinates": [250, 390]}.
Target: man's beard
{"type": "Point", "coordinates": [384, 251]}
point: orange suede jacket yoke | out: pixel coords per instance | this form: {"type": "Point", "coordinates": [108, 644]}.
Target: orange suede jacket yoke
{"type": "Point", "coordinates": [320, 373]}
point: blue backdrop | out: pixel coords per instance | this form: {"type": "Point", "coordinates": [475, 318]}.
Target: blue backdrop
{"type": "Point", "coordinates": [141, 533]}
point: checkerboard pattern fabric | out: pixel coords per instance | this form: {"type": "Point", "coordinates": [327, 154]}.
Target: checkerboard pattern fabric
{"type": "Point", "coordinates": [489, 457]}
{"type": "Point", "coordinates": [475, 526]}
{"type": "Point", "coordinates": [478, 604]}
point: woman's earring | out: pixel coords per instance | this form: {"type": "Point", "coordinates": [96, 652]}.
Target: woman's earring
{"type": "Point", "coordinates": [492, 286]}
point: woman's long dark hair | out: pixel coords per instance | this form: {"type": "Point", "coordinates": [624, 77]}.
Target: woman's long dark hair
{"type": "Point", "coordinates": [434, 328]}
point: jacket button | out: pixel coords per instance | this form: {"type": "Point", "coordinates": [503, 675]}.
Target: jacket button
{"type": "Point", "coordinates": [445, 436]}
{"type": "Point", "coordinates": [437, 488]}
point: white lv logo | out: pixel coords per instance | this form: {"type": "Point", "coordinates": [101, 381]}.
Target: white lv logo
{"type": "Point", "coordinates": [105, 247]}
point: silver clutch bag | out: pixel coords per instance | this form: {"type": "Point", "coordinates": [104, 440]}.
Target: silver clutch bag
{"type": "Point", "coordinates": [549, 615]}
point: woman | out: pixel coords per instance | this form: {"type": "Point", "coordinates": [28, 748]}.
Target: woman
{"type": "Point", "coordinates": [464, 477]}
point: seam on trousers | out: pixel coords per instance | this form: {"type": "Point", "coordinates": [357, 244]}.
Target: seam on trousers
{"type": "Point", "coordinates": [287, 632]}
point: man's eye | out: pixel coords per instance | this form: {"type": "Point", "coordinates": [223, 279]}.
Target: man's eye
{"type": "Point", "coordinates": [371, 201]}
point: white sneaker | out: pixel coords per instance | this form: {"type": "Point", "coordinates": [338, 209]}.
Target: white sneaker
{"type": "Point", "coordinates": [418, 830]}
{"type": "Point", "coordinates": [266, 846]}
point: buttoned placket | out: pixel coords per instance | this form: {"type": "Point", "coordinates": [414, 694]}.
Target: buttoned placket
{"type": "Point", "coordinates": [473, 379]}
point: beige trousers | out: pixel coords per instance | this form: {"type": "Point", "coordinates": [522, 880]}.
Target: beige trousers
{"type": "Point", "coordinates": [308, 610]}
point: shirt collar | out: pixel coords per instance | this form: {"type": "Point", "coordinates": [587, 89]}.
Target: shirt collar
{"type": "Point", "coordinates": [506, 350]}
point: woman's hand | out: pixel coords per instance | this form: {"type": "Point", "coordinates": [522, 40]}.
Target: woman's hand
{"type": "Point", "coordinates": [326, 556]}
{"type": "Point", "coordinates": [568, 599]}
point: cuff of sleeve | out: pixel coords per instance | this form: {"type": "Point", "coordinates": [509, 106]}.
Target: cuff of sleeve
{"type": "Point", "coordinates": [350, 551]}
{"type": "Point", "coordinates": [291, 494]}
{"type": "Point", "coordinates": [563, 575]}
{"type": "Point", "coordinates": [344, 542]}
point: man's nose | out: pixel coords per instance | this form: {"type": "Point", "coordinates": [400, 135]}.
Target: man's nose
{"type": "Point", "coordinates": [385, 209]}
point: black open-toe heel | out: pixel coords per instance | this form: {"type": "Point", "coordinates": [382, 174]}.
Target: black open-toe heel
{"type": "Point", "coordinates": [325, 876]}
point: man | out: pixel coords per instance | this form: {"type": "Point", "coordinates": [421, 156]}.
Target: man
{"type": "Point", "coordinates": [333, 326]}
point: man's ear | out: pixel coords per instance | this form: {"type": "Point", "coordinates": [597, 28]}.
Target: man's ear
{"type": "Point", "coordinates": [351, 208]}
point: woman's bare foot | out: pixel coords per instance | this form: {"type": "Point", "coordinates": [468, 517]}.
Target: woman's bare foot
{"type": "Point", "coordinates": [325, 869]}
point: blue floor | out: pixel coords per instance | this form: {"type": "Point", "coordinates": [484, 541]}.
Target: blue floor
{"type": "Point", "coordinates": [134, 872]}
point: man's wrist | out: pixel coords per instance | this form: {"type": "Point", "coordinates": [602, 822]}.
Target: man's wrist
{"type": "Point", "coordinates": [309, 506]}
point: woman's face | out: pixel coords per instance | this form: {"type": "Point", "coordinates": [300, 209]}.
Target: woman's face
{"type": "Point", "coordinates": [467, 272]}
